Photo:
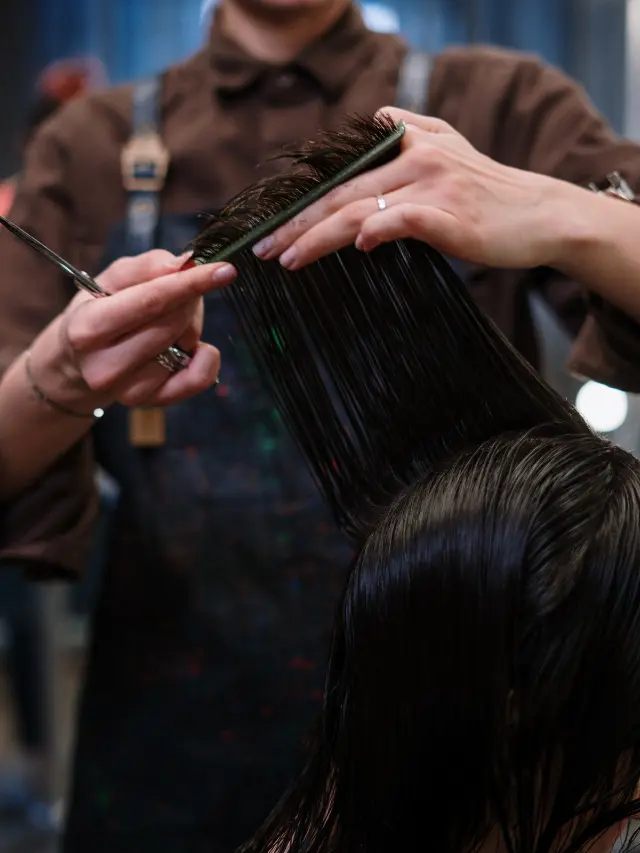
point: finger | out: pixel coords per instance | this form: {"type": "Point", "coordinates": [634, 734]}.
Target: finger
{"type": "Point", "coordinates": [440, 229]}
{"type": "Point", "coordinates": [102, 322]}
{"type": "Point", "coordinates": [107, 368]}
{"type": "Point", "coordinates": [379, 181]}
{"type": "Point", "coordinates": [129, 271]}
{"type": "Point", "coordinates": [201, 374]}
{"type": "Point", "coordinates": [150, 378]}
{"type": "Point", "coordinates": [335, 232]}
{"type": "Point", "coordinates": [190, 338]}
{"type": "Point", "coordinates": [426, 123]}
{"type": "Point", "coordinates": [142, 385]}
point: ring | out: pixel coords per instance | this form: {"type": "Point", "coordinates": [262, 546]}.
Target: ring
{"type": "Point", "coordinates": [174, 359]}
{"type": "Point", "coordinates": [382, 202]}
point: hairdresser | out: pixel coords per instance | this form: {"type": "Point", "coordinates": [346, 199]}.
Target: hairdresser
{"type": "Point", "coordinates": [223, 569]}
{"type": "Point", "coordinates": [471, 207]}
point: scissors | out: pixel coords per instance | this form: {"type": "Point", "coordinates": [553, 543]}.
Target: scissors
{"type": "Point", "coordinates": [172, 359]}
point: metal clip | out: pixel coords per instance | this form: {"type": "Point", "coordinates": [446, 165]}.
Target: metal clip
{"type": "Point", "coordinates": [144, 163]}
{"type": "Point", "coordinates": [617, 188]}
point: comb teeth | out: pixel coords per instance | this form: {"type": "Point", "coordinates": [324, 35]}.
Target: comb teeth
{"type": "Point", "coordinates": [316, 168]}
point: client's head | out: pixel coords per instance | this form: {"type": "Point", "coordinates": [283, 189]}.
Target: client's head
{"type": "Point", "coordinates": [486, 671]}
{"type": "Point", "coordinates": [484, 684]}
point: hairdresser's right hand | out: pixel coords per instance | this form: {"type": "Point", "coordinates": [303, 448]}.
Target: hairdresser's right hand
{"type": "Point", "coordinates": [102, 350]}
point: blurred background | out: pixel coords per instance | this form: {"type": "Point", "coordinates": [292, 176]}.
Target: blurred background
{"type": "Point", "coordinates": [596, 41]}
{"type": "Point", "coordinates": [133, 38]}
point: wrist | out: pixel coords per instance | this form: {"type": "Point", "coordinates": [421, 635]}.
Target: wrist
{"type": "Point", "coordinates": [57, 373]}
{"type": "Point", "coordinates": [579, 218]}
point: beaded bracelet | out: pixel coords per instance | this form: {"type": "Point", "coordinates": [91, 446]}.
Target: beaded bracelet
{"type": "Point", "coordinates": [47, 401]}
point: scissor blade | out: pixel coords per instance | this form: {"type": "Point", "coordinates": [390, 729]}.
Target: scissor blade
{"type": "Point", "coordinates": [81, 278]}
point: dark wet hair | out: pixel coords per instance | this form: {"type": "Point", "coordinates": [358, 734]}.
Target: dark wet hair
{"type": "Point", "coordinates": [484, 679]}
{"type": "Point", "coordinates": [485, 670]}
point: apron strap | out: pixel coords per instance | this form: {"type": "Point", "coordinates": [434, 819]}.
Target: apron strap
{"type": "Point", "coordinates": [413, 82]}
{"type": "Point", "coordinates": [144, 164]}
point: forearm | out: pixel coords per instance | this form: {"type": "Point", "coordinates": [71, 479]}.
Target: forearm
{"type": "Point", "coordinates": [34, 434]}
{"type": "Point", "coordinates": [599, 245]}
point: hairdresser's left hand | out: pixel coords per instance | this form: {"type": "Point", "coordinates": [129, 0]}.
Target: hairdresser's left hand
{"type": "Point", "coordinates": [440, 189]}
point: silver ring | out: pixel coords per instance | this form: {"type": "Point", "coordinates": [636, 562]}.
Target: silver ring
{"type": "Point", "coordinates": [174, 359]}
{"type": "Point", "coordinates": [382, 202]}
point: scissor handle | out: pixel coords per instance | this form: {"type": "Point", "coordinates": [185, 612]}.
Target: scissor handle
{"type": "Point", "coordinates": [173, 359]}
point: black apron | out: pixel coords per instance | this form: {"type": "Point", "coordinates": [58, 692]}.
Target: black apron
{"type": "Point", "coordinates": [212, 627]}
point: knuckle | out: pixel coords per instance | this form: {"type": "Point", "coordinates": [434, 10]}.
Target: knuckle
{"type": "Point", "coordinates": [426, 159]}
{"type": "Point", "coordinates": [158, 256]}
{"type": "Point", "coordinates": [133, 397]}
{"type": "Point", "coordinates": [158, 261]}
{"type": "Point", "coordinates": [100, 379]}
{"type": "Point", "coordinates": [117, 275]}
{"type": "Point", "coordinates": [414, 218]}
{"type": "Point", "coordinates": [439, 124]}
{"type": "Point", "coordinates": [451, 187]}
{"type": "Point", "coordinates": [355, 213]}
{"type": "Point", "coordinates": [79, 335]}
{"type": "Point", "coordinates": [419, 157]}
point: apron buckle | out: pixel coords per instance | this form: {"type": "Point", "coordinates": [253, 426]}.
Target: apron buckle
{"type": "Point", "coordinates": [144, 163]}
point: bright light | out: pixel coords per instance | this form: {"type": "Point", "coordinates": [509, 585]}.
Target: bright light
{"type": "Point", "coordinates": [603, 408]}
{"type": "Point", "coordinates": [380, 18]}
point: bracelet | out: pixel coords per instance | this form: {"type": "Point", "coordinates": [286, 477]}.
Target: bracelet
{"type": "Point", "coordinates": [47, 401]}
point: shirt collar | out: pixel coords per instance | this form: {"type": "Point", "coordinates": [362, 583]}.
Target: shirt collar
{"type": "Point", "coordinates": [330, 60]}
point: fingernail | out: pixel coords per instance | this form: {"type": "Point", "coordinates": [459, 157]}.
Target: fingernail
{"type": "Point", "coordinates": [263, 248]}
{"type": "Point", "coordinates": [288, 258]}
{"type": "Point", "coordinates": [224, 274]}
{"type": "Point", "coordinates": [359, 244]}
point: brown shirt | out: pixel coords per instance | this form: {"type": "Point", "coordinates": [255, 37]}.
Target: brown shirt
{"type": "Point", "coordinates": [223, 114]}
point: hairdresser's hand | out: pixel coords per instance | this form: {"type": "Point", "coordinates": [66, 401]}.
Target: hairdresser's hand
{"type": "Point", "coordinates": [102, 350]}
{"type": "Point", "coordinates": [440, 189]}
